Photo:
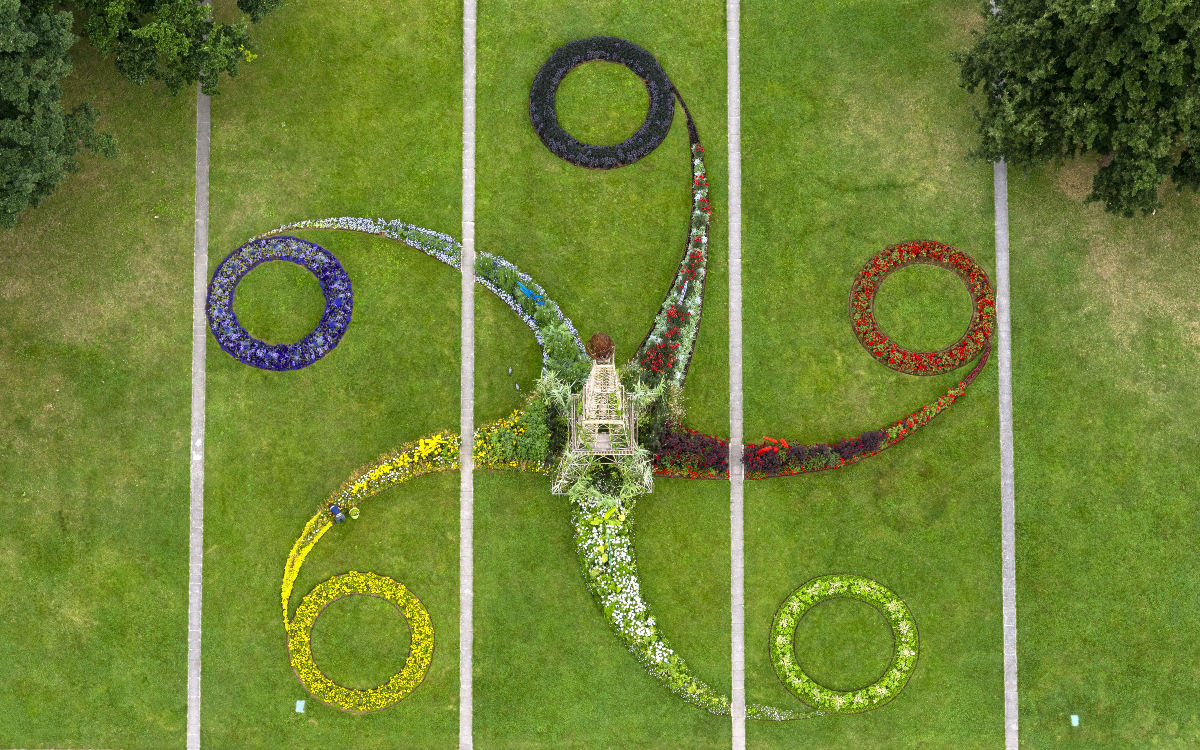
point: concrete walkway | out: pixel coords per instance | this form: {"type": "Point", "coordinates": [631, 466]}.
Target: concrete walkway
{"type": "Point", "coordinates": [199, 339]}
{"type": "Point", "coordinates": [1007, 486]}
{"type": "Point", "coordinates": [466, 512]}
{"type": "Point", "coordinates": [736, 475]}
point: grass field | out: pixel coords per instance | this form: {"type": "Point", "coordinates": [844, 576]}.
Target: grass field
{"type": "Point", "coordinates": [1105, 379]}
{"type": "Point", "coordinates": [854, 138]}
{"type": "Point", "coordinates": [335, 119]}
{"type": "Point", "coordinates": [605, 244]}
{"type": "Point", "coordinates": [95, 332]}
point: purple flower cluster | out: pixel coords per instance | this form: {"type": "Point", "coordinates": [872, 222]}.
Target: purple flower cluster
{"type": "Point", "coordinates": [335, 285]}
{"type": "Point", "coordinates": [684, 452]}
{"type": "Point", "coordinates": [611, 49]}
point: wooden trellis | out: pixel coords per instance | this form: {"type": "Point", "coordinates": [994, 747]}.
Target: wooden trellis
{"type": "Point", "coordinates": [603, 421]}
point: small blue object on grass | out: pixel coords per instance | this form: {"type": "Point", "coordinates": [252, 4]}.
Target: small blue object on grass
{"type": "Point", "coordinates": [1074, 720]}
{"type": "Point", "coordinates": [529, 293]}
{"type": "Point", "coordinates": [299, 707]}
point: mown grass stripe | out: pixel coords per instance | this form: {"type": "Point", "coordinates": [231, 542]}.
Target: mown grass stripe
{"type": "Point", "coordinates": [199, 339]}
{"type": "Point", "coordinates": [1007, 486]}
{"type": "Point", "coordinates": [466, 517]}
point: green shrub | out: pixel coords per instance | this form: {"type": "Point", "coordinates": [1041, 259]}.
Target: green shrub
{"type": "Point", "coordinates": [533, 433]}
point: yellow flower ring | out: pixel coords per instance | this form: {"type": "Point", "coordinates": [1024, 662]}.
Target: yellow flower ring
{"type": "Point", "coordinates": [350, 699]}
{"type": "Point", "coordinates": [894, 610]}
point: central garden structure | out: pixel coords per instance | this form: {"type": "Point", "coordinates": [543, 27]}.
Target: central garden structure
{"type": "Point", "coordinates": [601, 407]}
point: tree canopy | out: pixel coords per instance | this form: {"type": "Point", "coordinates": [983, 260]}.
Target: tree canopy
{"type": "Point", "coordinates": [171, 41]}
{"type": "Point", "coordinates": [1115, 77]}
{"type": "Point", "coordinates": [38, 140]}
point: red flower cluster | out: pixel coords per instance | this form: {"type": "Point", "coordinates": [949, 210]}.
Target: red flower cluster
{"type": "Point", "coordinates": [660, 357]}
{"type": "Point", "coordinates": [687, 453]}
{"type": "Point", "coordinates": [695, 260]}
{"type": "Point", "coordinates": [862, 313]}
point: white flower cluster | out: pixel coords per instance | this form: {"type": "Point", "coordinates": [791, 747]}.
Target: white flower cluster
{"type": "Point", "coordinates": [684, 292]}
{"type": "Point", "coordinates": [449, 251]}
{"type": "Point", "coordinates": [604, 542]}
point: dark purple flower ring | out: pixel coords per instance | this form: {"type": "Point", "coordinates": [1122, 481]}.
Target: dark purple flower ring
{"type": "Point", "coordinates": [237, 343]}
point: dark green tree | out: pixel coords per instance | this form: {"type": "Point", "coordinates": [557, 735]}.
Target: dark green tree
{"type": "Point", "coordinates": [173, 41]}
{"type": "Point", "coordinates": [38, 140]}
{"type": "Point", "coordinates": [1115, 77]}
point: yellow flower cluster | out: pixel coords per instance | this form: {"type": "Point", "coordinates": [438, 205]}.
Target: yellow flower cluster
{"type": "Point", "coordinates": [438, 452]}
{"type": "Point", "coordinates": [495, 445]}
{"type": "Point", "coordinates": [350, 699]}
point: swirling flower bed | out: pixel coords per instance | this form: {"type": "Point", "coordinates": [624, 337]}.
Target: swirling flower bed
{"type": "Point", "coordinates": [562, 349]}
{"type": "Point", "coordinates": [783, 636]}
{"type": "Point", "coordinates": [613, 49]}
{"type": "Point", "coordinates": [778, 458]}
{"type": "Point", "coordinates": [350, 699]}
{"type": "Point", "coordinates": [233, 338]}
{"type": "Point", "coordinates": [604, 541]}
{"type": "Point", "coordinates": [438, 452]}
{"type": "Point", "coordinates": [666, 352]}
{"type": "Point", "coordinates": [862, 308]}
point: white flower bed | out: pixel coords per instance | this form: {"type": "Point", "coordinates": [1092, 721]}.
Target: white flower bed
{"type": "Point", "coordinates": [449, 251]}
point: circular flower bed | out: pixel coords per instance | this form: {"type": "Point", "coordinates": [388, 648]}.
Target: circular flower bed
{"type": "Point", "coordinates": [612, 49]}
{"type": "Point", "coordinates": [350, 699]}
{"type": "Point", "coordinates": [862, 308]}
{"type": "Point", "coordinates": [783, 636]}
{"type": "Point", "coordinates": [335, 285]}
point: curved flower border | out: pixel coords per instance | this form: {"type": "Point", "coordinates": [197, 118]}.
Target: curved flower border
{"type": "Point", "coordinates": [667, 349]}
{"type": "Point", "coordinates": [233, 338]}
{"type": "Point", "coordinates": [401, 684]}
{"type": "Point", "coordinates": [566, 58]}
{"type": "Point", "coordinates": [817, 590]}
{"type": "Point", "coordinates": [604, 542]}
{"type": "Point", "coordinates": [895, 257]}
{"type": "Point", "coordinates": [448, 250]}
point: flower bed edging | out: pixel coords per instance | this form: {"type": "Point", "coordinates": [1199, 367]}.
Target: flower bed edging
{"type": "Point", "coordinates": [612, 49]}
{"type": "Point", "coordinates": [862, 308]}
{"type": "Point", "coordinates": [817, 590]}
{"type": "Point", "coordinates": [401, 684]}
{"type": "Point", "coordinates": [239, 344]}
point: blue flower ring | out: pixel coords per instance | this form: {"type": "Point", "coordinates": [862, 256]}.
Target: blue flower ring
{"type": "Point", "coordinates": [237, 343]}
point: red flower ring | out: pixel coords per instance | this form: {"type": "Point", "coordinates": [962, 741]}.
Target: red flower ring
{"type": "Point", "coordinates": [862, 308]}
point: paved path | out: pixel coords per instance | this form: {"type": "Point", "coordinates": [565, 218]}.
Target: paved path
{"type": "Point", "coordinates": [1007, 486]}
{"type": "Point", "coordinates": [466, 512]}
{"type": "Point", "coordinates": [736, 476]}
{"type": "Point", "coordinates": [199, 339]}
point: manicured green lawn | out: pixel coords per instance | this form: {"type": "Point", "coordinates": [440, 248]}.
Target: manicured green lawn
{"type": "Point", "coordinates": [335, 118]}
{"type": "Point", "coordinates": [548, 671]}
{"type": "Point", "coordinates": [95, 341]}
{"type": "Point", "coordinates": [854, 138]}
{"type": "Point", "coordinates": [605, 245]}
{"type": "Point", "coordinates": [1105, 355]}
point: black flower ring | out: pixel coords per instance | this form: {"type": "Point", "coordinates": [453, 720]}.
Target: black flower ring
{"type": "Point", "coordinates": [611, 49]}
{"type": "Point", "coordinates": [335, 285]}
